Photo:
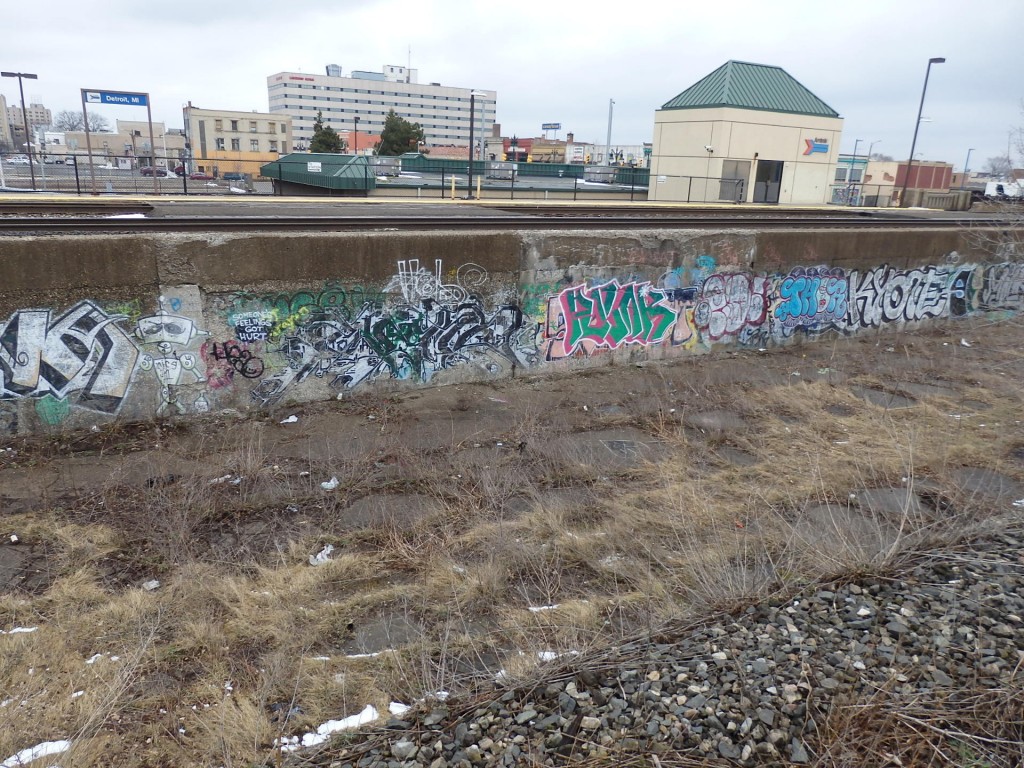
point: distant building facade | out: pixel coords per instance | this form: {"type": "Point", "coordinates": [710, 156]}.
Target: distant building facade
{"type": "Point", "coordinates": [442, 111]}
{"type": "Point", "coordinates": [222, 141]}
{"type": "Point", "coordinates": [5, 128]}
{"type": "Point", "coordinates": [38, 117]}
{"type": "Point", "coordinates": [745, 133]}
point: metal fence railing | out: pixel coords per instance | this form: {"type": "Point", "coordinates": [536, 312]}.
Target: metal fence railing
{"type": "Point", "coordinates": [80, 173]}
{"type": "Point", "coordinates": [863, 195]}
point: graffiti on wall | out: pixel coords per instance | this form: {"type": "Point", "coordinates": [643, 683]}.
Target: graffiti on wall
{"type": "Point", "coordinates": [82, 356]}
{"type": "Point", "coordinates": [167, 335]}
{"type": "Point", "coordinates": [607, 315]}
{"type": "Point", "coordinates": [421, 323]}
{"type": "Point", "coordinates": [811, 297]}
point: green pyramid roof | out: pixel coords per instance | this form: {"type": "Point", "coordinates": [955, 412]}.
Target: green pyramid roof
{"type": "Point", "coordinates": [751, 86]}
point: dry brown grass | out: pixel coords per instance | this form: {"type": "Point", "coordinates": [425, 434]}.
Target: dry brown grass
{"type": "Point", "coordinates": [245, 641]}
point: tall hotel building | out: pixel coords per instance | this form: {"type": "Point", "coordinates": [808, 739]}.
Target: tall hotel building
{"type": "Point", "coordinates": [442, 111]}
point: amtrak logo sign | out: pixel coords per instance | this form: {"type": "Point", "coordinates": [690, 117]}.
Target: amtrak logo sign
{"type": "Point", "coordinates": [816, 146]}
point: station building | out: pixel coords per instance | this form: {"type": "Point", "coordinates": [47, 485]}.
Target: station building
{"type": "Point", "coordinates": [745, 133]}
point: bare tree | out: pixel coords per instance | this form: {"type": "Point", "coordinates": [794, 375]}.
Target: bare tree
{"type": "Point", "coordinates": [999, 166]}
{"type": "Point", "coordinates": [69, 120]}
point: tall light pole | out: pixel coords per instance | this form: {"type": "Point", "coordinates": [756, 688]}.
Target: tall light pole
{"type": "Point", "coordinates": [913, 143]}
{"type": "Point", "coordinates": [24, 116]}
{"type": "Point", "coordinates": [871, 147]}
{"type": "Point", "coordinates": [355, 136]}
{"type": "Point", "coordinates": [472, 123]}
{"type": "Point", "coordinates": [608, 139]}
{"type": "Point", "coordinates": [967, 167]}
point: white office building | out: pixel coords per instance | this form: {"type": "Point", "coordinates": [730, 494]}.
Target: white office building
{"type": "Point", "coordinates": [442, 111]}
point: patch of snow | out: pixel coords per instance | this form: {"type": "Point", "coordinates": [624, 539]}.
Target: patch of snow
{"type": "Point", "coordinates": [397, 708]}
{"type": "Point", "coordinates": [539, 608]}
{"type": "Point", "coordinates": [238, 191]}
{"type": "Point", "coordinates": [330, 485]}
{"type": "Point", "coordinates": [19, 631]}
{"type": "Point", "coordinates": [290, 420]}
{"type": "Point", "coordinates": [325, 730]}
{"type": "Point", "coordinates": [366, 655]}
{"type": "Point", "coordinates": [76, 694]}
{"type": "Point", "coordinates": [126, 216]}
{"type": "Point", "coordinates": [1019, 503]}
{"type": "Point", "coordinates": [94, 659]}
{"type": "Point", "coordinates": [26, 756]}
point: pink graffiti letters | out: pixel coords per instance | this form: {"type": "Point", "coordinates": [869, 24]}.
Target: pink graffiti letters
{"type": "Point", "coordinates": [611, 314]}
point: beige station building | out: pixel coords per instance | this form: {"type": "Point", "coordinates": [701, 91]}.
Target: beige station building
{"type": "Point", "coordinates": [222, 141]}
{"type": "Point", "coordinates": [745, 133]}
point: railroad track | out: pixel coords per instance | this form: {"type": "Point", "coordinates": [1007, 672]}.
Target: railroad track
{"type": "Point", "coordinates": [517, 221]}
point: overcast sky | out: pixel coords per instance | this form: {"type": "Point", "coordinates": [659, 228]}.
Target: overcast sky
{"type": "Point", "coordinates": [549, 62]}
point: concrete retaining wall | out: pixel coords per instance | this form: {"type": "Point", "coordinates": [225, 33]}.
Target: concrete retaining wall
{"type": "Point", "coordinates": [94, 328]}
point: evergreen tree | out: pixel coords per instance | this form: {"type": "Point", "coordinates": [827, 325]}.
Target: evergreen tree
{"type": "Point", "coordinates": [399, 135]}
{"type": "Point", "coordinates": [325, 138]}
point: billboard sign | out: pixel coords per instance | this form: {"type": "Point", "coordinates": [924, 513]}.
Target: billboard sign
{"type": "Point", "coordinates": [551, 126]}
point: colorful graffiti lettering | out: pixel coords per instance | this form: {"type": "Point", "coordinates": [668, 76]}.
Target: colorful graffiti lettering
{"type": "Point", "coordinates": [609, 315]}
{"type": "Point", "coordinates": [433, 326]}
{"type": "Point", "coordinates": [83, 353]}
{"type": "Point", "coordinates": [812, 297]}
{"type": "Point", "coordinates": [731, 302]}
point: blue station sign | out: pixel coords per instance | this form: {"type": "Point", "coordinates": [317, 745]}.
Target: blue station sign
{"type": "Point", "coordinates": [125, 99]}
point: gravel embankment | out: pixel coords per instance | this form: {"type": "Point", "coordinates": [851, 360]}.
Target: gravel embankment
{"type": "Point", "coordinates": [756, 688]}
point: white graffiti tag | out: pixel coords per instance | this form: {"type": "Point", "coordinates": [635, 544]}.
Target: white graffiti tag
{"type": "Point", "coordinates": [83, 353]}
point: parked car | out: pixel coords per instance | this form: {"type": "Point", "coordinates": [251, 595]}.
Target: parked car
{"type": "Point", "coordinates": [179, 171]}
{"type": "Point", "coordinates": [233, 177]}
{"type": "Point", "coordinates": [200, 176]}
{"type": "Point", "coordinates": [16, 160]}
{"type": "Point", "coordinates": [149, 171]}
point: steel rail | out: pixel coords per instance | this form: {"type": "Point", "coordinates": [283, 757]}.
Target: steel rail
{"type": "Point", "coordinates": [69, 225]}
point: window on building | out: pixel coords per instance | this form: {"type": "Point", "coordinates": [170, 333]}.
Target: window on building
{"type": "Point", "coordinates": [254, 145]}
{"type": "Point", "coordinates": [273, 145]}
{"type": "Point", "coordinates": [856, 175]}
{"type": "Point", "coordinates": [284, 147]}
{"type": "Point", "coordinates": [284, 128]}
{"type": "Point", "coordinates": [273, 127]}
{"type": "Point", "coordinates": [236, 144]}
{"type": "Point", "coordinates": [218, 125]}
{"type": "Point", "coordinates": [220, 143]}
{"type": "Point", "coordinates": [840, 174]}
{"type": "Point", "coordinates": [234, 125]}
{"type": "Point", "coordinates": [252, 126]}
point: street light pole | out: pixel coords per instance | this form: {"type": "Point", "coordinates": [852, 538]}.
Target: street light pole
{"type": "Point", "coordinates": [967, 167]}
{"type": "Point", "coordinates": [608, 139]}
{"type": "Point", "coordinates": [24, 116]}
{"type": "Point", "coordinates": [355, 135]}
{"type": "Point", "coordinates": [472, 123]}
{"type": "Point", "coordinates": [913, 143]}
